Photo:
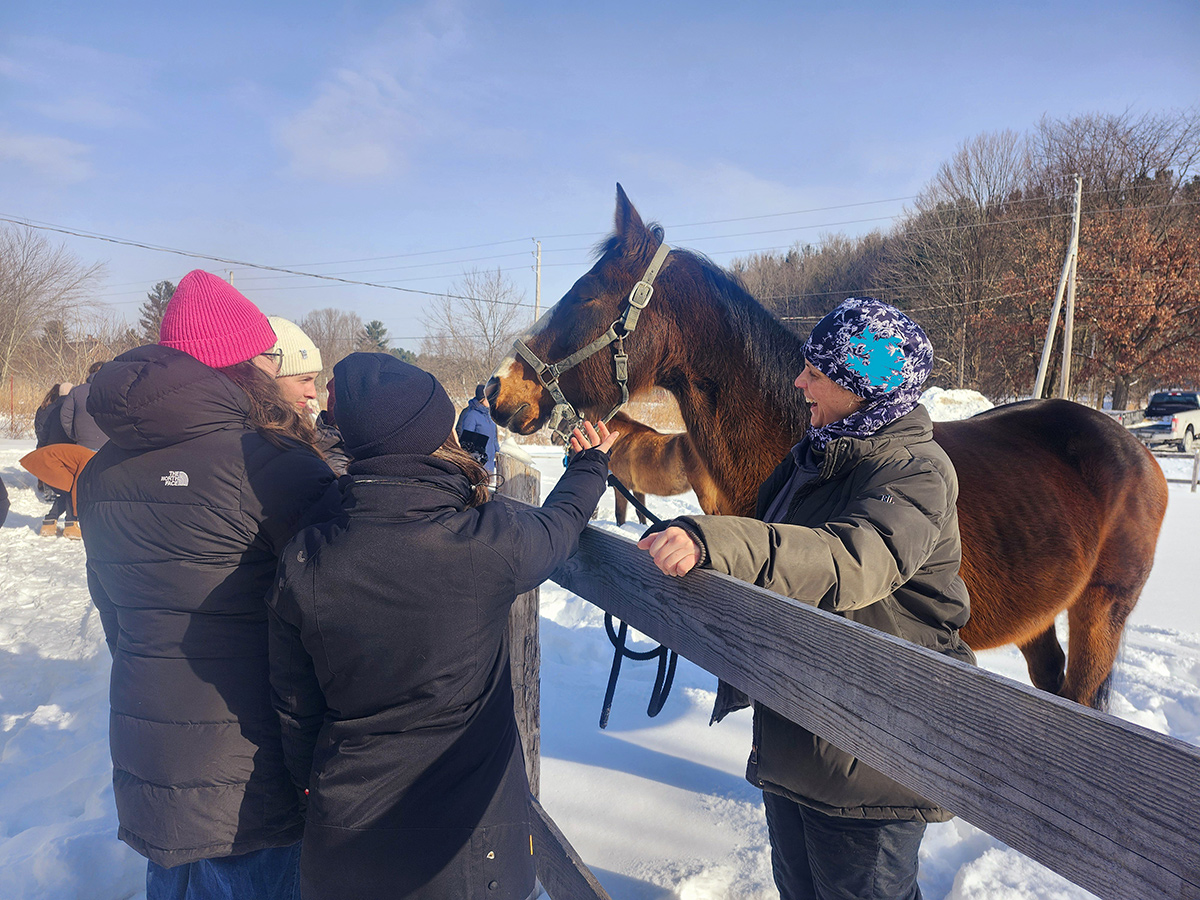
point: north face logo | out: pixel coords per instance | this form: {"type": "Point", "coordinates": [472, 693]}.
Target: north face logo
{"type": "Point", "coordinates": [175, 479]}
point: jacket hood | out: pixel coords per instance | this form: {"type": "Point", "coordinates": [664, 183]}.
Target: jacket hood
{"type": "Point", "coordinates": [155, 396]}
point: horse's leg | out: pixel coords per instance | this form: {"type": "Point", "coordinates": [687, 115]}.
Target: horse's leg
{"type": "Point", "coordinates": [641, 498]}
{"type": "Point", "coordinates": [1097, 621]}
{"type": "Point", "coordinates": [621, 505]}
{"type": "Point", "coordinates": [1047, 663]}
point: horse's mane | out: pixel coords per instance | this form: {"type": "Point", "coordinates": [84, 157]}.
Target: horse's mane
{"type": "Point", "coordinates": [774, 353]}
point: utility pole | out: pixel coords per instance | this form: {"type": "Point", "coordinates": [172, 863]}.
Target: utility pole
{"type": "Point", "coordinates": [537, 289]}
{"type": "Point", "coordinates": [1069, 315]}
{"type": "Point", "coordinates": [1068, 275]}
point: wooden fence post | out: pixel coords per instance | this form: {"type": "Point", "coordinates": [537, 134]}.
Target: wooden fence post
{"type": "Point", "coordinates": [522, 482]}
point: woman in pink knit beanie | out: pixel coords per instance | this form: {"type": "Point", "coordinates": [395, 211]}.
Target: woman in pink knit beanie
{"type": "Point", "coordinates": [208, 473]}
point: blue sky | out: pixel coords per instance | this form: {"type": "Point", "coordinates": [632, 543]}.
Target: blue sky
{"type": "Point", "coordinates": [406, 142]}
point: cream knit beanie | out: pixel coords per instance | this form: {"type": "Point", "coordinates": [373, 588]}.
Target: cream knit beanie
{"type": "Point", "coordinates": [300, 354]}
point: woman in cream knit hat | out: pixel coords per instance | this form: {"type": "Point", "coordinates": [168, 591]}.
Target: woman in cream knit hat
{"type": "Point", "coordinates": [299, 362]}
{"type": "Point", "coordinates": [299, 365]}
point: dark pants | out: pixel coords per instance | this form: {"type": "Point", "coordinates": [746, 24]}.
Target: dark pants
{"type": "Point", "coordinates": [272, 874]}
{"type": "Point", "coordinates": [62, 504]}
{"type": "Point", "coordinates": [820, 857]}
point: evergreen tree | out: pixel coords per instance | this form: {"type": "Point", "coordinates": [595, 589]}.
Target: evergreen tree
{"type": "Point", "coordinates": [375, 337]}
{"type": "Point", "coordinates": [152, 310]}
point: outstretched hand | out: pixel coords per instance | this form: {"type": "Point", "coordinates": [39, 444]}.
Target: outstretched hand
{"type": "Point", "coordinates": [597, 436]}
{"type": "Point", "coordinates": [673, 550]}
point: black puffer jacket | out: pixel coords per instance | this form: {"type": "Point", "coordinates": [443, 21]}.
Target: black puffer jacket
{"type": "Point", "coordinates": [184, 513]}
{"type": "Point", "coordinates": [47, 425]}
{"type": "Point", "coordinates": [77, 420]}
{"type": "Point", "coordinates": [389, 655]}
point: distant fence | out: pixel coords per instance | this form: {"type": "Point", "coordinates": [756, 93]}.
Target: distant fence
{"type": "Point", "coordinates": [1194, 457]}
{"type": "Point", "coordinates": [1109, 805]}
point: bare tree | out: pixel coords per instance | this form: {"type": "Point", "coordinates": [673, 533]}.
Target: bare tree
{"type": "Point", "coordinates": [951, 253]}
{"type": "Point", "coordinates": [468, 334]}
{"type": "Point", "coordinates": [336, 333]}
{"type": "Point", "coordinates": [39, 284]}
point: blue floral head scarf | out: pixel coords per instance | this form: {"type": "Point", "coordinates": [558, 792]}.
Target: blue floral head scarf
{"type": "Point", "coordinates": [877, 353]}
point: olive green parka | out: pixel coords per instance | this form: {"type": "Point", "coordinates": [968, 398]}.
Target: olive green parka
{"type": "Point", "coordinates": [874, 538]}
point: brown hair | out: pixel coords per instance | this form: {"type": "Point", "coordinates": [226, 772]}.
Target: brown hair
{"type": "Point", "coordinates": [452, 453]}
{"type": "Point", "coordinates": [51, 395]}
{"type": "Point", "coordinates": [270, 414]}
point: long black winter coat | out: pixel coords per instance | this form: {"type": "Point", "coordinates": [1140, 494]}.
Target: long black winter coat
{"type": "Point", "coordinates": [47, 425]}
{"type": "Point", "coordinates": [389, 656]}
{"type": "Point", "coordinates": [184, 513]}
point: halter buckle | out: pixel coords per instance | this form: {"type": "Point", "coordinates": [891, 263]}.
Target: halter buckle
{"type": "Point", "coordinates": [641, 294]}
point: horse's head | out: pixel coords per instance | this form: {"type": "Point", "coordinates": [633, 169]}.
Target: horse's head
{"type": "Point", "coordinates": [519, 398]}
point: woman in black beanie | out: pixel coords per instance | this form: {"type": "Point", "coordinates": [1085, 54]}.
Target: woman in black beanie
{"type": "Point", "coordinates": [389, 652]}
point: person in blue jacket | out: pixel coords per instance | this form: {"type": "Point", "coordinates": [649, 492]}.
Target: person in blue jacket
{"type": "Point", "coordinates": [476, 424]}
{"type": "Point", "coordinates": [389, 650]}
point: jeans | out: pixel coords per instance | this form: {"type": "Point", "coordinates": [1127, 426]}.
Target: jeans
{"type": "Point", "coordinates": [272, 874]}
{"type": "Point", "coordinates": [820, 857]}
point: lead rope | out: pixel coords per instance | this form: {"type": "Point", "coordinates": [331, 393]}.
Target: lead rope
{"type": "Point", "coordinates": [667, 659]}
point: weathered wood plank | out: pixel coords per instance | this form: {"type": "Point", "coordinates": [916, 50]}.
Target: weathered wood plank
{"type": "Point", "coordinates": [523, 483]}
{"type": "Point", "coordinates": [1110, 805]}
{"type": "Point", "coordinates": [559, 868]}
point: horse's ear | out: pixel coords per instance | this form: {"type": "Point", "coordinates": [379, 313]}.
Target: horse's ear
{"type": "Point", "coordinates": [627, 224]}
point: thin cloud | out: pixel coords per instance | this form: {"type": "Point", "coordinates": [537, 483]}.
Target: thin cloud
{"type": "Point", "coordinates": [367, 120]}
{"type": "Point", "coordinates": [53, 158]}
{"type": "Point", "coordinates": [720, 184]}
{"type": "Point", "coordinates": [74, 84]}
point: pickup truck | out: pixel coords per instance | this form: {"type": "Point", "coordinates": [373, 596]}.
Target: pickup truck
{"type": "Point", "coordinates": [1171, 417]}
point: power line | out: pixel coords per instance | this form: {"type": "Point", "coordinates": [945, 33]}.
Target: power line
{"type": "Point", "coordinates": [248, 265]}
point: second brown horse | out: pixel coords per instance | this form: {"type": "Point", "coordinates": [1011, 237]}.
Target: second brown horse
{"type": "Point", "coordinates": [650, 462]}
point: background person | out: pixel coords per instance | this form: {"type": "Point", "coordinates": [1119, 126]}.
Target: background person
{"type": "Point", "coordinates": [859, 520]}
{"type": "Point", "coordinates": [389, 651]}
{"type": "Point", "coordinates": [47, 426]}
{"type": "Point", "coordinates": [77, 422]}
{"type": "Point", "coordinates": [475, 422]}
{"type": "Point", "coordinates": [299, 365]}
{"type": "Point", "coordinates": [59, 466]}
{"type": "Point", "coordinates": [207, 476]}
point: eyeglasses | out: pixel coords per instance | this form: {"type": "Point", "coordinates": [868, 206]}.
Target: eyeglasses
{"type": "Point", "coordinates": [276, 356]}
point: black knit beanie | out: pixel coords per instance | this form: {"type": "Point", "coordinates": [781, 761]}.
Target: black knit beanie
{"type": "Point", "coordinates": [386, 406]}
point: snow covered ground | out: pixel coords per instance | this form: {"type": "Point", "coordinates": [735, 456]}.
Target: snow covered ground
{"type": "Point", "coordinates": [657, 807]}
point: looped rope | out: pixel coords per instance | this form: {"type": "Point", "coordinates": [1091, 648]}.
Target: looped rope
{"type": "Point", "coordinates": [667, 658]}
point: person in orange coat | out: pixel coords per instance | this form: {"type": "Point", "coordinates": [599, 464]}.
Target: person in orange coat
{"type": "Point", "coordinates": [59, 465]}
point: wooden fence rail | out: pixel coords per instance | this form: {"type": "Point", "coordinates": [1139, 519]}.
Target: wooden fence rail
{"type": "Point", "coordinates": [1113, 807]}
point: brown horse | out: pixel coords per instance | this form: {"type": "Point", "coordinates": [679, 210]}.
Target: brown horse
{"type": "Point", "coordinates": [650, 462]}
{"type": "Point", "coordinates": [1059, 506]}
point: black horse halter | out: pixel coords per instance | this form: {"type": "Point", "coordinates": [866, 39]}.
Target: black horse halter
{"type": "Point", "coordinates": [564, 417]}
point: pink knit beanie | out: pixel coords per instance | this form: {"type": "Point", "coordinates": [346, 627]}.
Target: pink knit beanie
{"type": "Point", "coordinates": [209, 319]}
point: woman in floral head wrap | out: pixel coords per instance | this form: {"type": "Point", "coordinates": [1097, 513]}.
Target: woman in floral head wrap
{"type": "Point", "coordinates": [860, 520]}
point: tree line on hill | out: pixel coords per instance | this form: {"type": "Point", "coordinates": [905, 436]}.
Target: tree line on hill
{"type": "Point", "coordinates": [977, 259]}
